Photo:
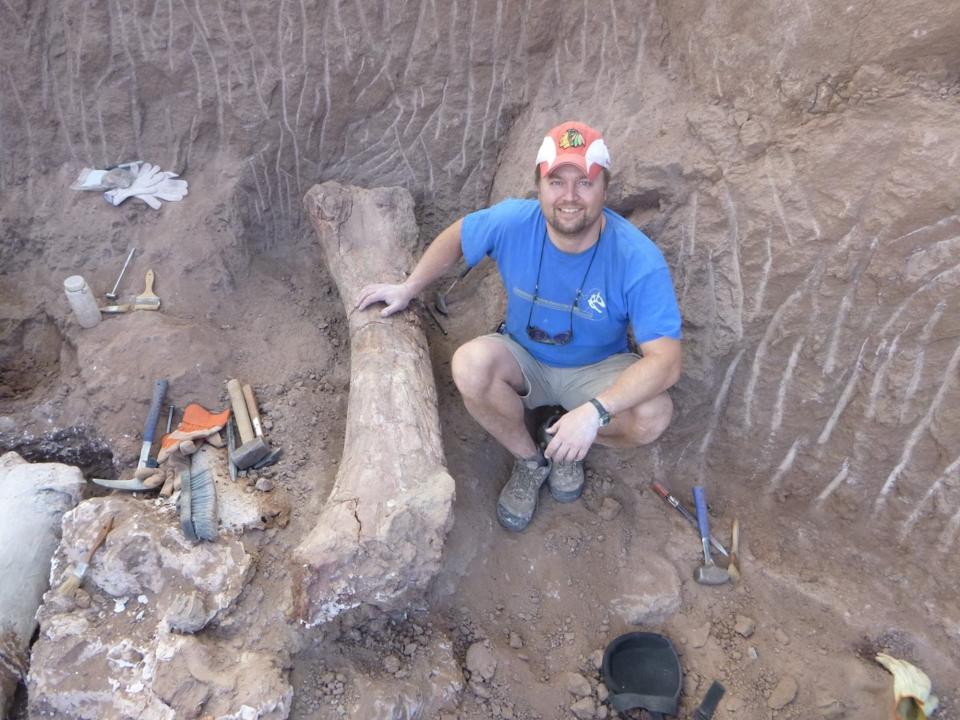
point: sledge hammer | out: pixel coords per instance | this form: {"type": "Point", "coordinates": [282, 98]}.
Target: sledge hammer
{"type": "Point", "coordinates": [252, 449]}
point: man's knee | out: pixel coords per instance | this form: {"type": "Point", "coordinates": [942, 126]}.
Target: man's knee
{"type": "Point", "coordinates": [475, 366]}
{"type": "Point", "coordinates": [648, 421]}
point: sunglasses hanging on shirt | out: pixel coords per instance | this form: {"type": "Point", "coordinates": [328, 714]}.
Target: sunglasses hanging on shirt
{"type": "Point", "coordinates": [562, 338]}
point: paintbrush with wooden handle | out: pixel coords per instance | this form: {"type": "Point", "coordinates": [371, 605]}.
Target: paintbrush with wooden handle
{"type": "Point", "coordinates": [75, 574]}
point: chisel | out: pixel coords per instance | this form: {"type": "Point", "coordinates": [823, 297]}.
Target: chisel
{"type": "Point", "coordinates": [672, 501]}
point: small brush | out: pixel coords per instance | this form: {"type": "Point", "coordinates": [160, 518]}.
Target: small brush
{"type": "Point", "coordinates": [186, 509]}
{"type": "Point", "coordinates": [203, 505]}
{"type": "Point", "coordinates": [69, 586]}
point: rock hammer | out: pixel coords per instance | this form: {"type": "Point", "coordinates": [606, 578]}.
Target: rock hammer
{"type": "Point", "coordinates": [253, 448]}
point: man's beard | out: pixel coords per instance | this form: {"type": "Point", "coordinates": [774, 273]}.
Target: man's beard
{"type": "Point", "coordinates": [571, 226]}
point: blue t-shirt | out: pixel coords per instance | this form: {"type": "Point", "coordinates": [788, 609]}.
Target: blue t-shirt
{"type": "Point", "coordinates": [628, 281]}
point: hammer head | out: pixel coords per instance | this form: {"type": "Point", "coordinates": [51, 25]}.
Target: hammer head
{"type": "Point", "coordinates": [250, 453]}
{"type": "Point", "coordinates": [710, 574]}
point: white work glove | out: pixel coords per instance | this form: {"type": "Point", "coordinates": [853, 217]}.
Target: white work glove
{"type": "Point", "coordinates": [151, 185]}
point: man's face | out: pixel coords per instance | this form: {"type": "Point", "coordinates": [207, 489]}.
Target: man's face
{"type": "Point", "coordinates": [570, 201]}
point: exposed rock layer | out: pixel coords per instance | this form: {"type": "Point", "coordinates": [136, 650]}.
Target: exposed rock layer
{"type": "Point", "coordinates": [119, 648]}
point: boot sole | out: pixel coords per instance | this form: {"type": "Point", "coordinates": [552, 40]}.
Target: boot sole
{"type": "Point", "coordinates": [512, 522]}
{"type": "Point", "coordinates": [566, 496]}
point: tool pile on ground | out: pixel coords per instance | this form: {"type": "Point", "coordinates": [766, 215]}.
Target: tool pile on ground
{"type": "Point", "coordinates": [125, 600]}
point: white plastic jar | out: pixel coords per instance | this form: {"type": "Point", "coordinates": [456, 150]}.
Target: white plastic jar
{"type": "Point", "coordinates": [82, 301]}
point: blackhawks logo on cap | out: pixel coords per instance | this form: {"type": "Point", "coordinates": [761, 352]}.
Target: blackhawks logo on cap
{"type": "Point", "coordinates": [571, 139]}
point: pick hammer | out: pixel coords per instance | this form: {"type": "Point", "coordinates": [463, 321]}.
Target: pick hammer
{"type": "Point", "coordinates": [253, 448]}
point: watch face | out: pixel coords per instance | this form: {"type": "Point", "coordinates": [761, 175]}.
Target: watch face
{"type": "Point", "coordinates": [601, 411]}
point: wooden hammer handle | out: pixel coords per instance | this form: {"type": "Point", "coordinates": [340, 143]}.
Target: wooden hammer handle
{"type": "Point", "coordinates": [240, 410]}
{"type": "Point", "coordinates": [253, 409]}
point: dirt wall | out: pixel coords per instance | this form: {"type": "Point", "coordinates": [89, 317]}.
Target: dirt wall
{"type": "Point", "coordinates": [796, 162]}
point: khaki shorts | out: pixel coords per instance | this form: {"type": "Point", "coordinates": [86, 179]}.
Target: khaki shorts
{"type": "Point", "coordinates": [569, 387]}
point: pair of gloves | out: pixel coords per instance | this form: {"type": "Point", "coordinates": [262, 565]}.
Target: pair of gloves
{"type": "Point", "coordinates": [198, 426]}
{"type": "Point", "coordinates": [149, 184]}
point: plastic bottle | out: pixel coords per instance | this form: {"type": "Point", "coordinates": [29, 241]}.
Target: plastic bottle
{"type": "Point", "coordinates": [82, 301]}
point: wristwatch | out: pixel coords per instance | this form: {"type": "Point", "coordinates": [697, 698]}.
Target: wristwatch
{"type": "Point", "coordinates": [602, 411]}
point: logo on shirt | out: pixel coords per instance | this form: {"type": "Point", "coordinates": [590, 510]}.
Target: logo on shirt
{"type": "Point", "coordinates": [596, 303]}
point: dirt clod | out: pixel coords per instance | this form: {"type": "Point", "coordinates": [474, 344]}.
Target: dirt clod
{"type": "Point", "coordinates": [783, 694]}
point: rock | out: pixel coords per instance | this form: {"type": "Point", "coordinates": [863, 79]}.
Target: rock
{"type": "Point", "coordinates": [753, 137]}
{"type": "Point", "coordinates": [783, 694]}
{"type": "Point", "coordinates": [187, 614]}
{"type": "Point", "coordinates": [33, 500]}
{"type": "Point", "coordinates": [391, 663]}
{"type": "Point", "coordinates": [744, 626]}
{"type": "Point", "coordinates": [480, 690]}
{"type": "Point", "coordinates": [609, 509]}
{"type": "Point", "coordinates": [146, 557]}
{"type": "Point", "coordinates": [650, 591]}
{"type": "Point", "coordinates": [516, 642]}
{"type": "Point", "coordinates": [698, 635]}
{"type": "Point", "coordinates": [264, 484]}
{"type": "Point", "coordinates": [602, 692]}
{"type": "Point", "coordinates": [584, 709]}
{"type": "Point", "coordinates": [576, 684]}
{"type": "Point", "coordinates": [781, 637]}
{"type": "Point", "coordinates": [732, 704]}
{"type": "Point", "coordinates": [596, 659]}
{"type": "Point", "coordinates": [481, 662]}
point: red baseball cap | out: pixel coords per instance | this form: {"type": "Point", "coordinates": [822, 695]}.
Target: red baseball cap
{"type": "Point", "coordinates": [573, 143]}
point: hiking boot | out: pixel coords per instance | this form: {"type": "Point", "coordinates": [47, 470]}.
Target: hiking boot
{"type": "Point", "coordinates": [518, 499]}
{"type": "Point", "coordinates": [566, 481]}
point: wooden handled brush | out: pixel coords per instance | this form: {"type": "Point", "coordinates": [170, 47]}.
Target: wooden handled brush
{"type": "Point", "coordinates": [69, 586]}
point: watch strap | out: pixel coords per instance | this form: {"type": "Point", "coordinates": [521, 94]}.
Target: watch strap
{"type": "Point", "coordinates": [604, 415]}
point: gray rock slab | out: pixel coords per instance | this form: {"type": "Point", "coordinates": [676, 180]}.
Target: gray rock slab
{"type": "Point", "coordinates": [649, 591]}
{"type": "Point", "coordinates": [33, 499]}
{"type": "Point", "coordinates": [117, 656]}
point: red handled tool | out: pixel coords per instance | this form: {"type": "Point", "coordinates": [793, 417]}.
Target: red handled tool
{"type": "Point", "coordinates": [672, 501]}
